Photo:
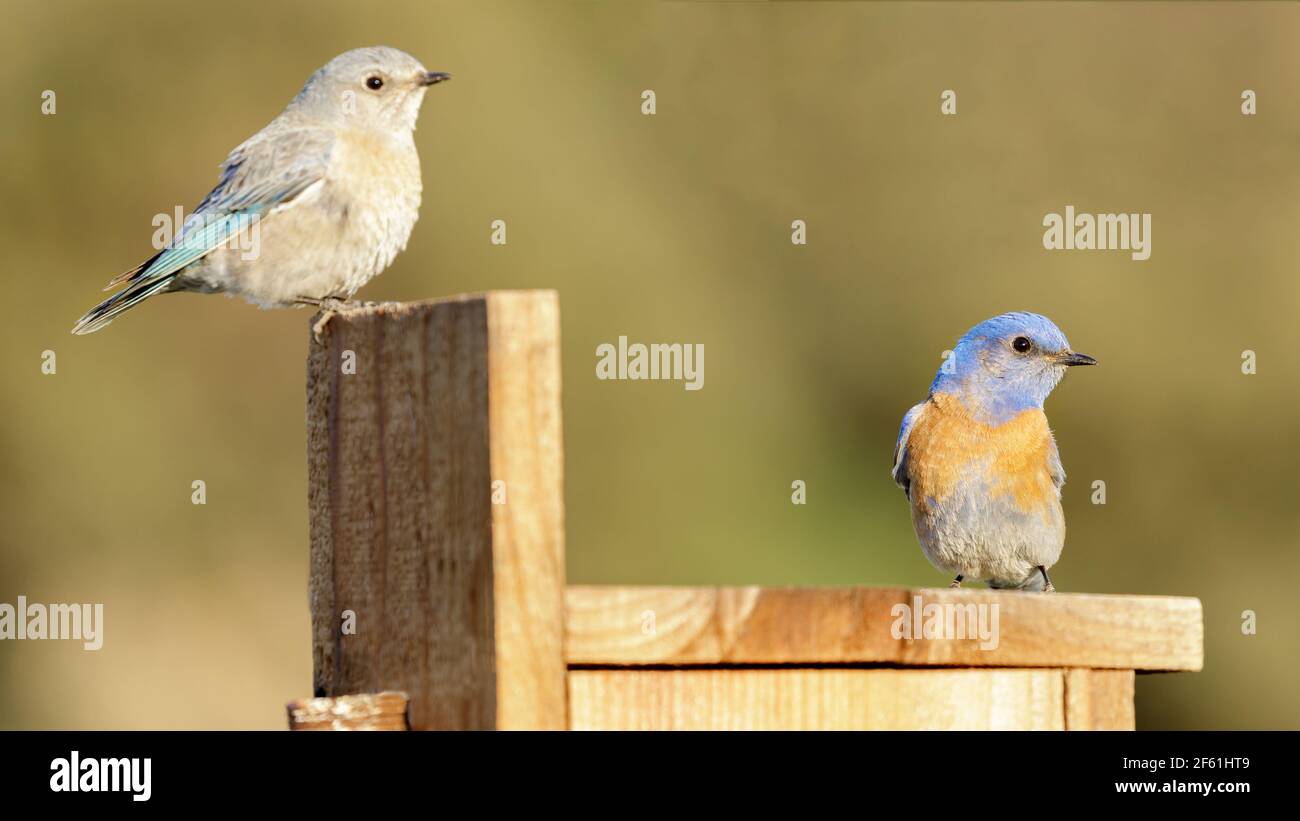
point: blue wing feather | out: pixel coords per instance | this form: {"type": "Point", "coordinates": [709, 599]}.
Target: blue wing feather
{"type": "Point", "coordinates": [267, 172]}
{"type": "Point", "coordinates": [899, 471]}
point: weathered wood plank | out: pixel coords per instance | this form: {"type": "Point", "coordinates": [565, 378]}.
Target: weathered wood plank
{"type": "Point", "coordinates": [368, 711]}
{"type": "Point", "coordinates": [617, 625]}
{"type": "Point", "coordinates": [457, 601]}
{"type": "Point", "coordinates": [1099, 700]}
{"type": "Point", "coordinates": [818, 699]}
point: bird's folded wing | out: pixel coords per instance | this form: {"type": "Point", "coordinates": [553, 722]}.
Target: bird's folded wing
{"type": "Point", "coordinates": [264, 174]}
{"type": "Point", "coordinates": [899, 471]}
{"type": "Point", "coordinates": [1054, 465]}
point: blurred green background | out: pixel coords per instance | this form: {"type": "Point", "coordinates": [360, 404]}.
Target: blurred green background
{"type": "Point", "coordinates": [672, 228]}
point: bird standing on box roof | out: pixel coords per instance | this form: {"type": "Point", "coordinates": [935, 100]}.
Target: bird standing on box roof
{"type": "Point", "coordinates": [327, 193]}
{"type": "Point", "coordinates": [978, 461]}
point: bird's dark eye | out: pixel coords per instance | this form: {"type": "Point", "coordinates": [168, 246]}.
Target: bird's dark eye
{"type": "Point", "coordinates": [374, 83]}
{"type": "Point", "coordinates": [1021, 344]}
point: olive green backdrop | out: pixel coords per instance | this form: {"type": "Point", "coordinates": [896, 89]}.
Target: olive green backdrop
{"type": "Point", "coordinates": [671, 228]}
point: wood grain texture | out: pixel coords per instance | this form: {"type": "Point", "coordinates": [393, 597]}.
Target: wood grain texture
{"type": "Point", "coordinates": [367, 711]}
{"type": "Point", "coordinates": [528, 530]}
{"type": "Point", "coordinates": [457, 601]}
{"type": "Point", "coordinates": [1099, 700]}
{"type": "Point", "coordinates": [617, 625]}
{"type": "Point", "coordinates": [820, 699]}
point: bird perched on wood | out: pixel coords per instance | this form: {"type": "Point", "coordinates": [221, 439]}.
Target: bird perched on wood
{"type": "Point", "coordinates": [311, 207]}
{"type": "Point", "coordinates": [978, 462]}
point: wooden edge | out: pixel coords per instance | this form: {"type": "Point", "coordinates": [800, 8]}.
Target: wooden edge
{"type": "Point", "coordinates": [364, 711]}
{"type": "Point", "coordinates": [1099, 700]}
{"type": "Point", "coordinates": [888, 626]}
{"type": "Point", "coordinates": [401, 309]}
{"type": "Point", "coordinates": [527, 459]}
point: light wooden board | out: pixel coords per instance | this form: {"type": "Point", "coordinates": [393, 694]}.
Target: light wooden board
{"type": "Point", "coordinates": [817, 699]}
{"type": "Point", "coordinates": [457, 601]}
{"type": "Point", "coordinates": [528, 528]}
{"type": "Point", "coordinates": [366, 711]}
{"type": "Point", "coordinates": [1099, 700]}
{"type": "Point", "coordinates": [620, 625]}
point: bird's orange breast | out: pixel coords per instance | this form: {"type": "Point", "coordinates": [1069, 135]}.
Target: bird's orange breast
{"type": "Point", "coordinates": [948, 448]}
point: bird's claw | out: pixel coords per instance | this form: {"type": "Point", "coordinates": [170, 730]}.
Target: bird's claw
{"type": "Point", "coordinates": [328, 308]}
{"type": "Point", "coordinates": [318, 329]}
{"type": "Point", "coordinates": [1048, 588]}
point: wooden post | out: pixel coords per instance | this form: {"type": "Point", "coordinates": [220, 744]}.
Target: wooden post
{"type": "Point", "coordinates": [435, 472]}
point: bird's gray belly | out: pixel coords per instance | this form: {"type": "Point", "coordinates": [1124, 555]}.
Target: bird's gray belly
{"type": "Point", "coordinates": [982, 535]}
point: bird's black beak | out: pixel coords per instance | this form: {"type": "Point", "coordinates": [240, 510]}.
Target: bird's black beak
{"type": "Point", "coordinates": [1073, 358]}
{"type": "Point", "coordinates": [433, 77]}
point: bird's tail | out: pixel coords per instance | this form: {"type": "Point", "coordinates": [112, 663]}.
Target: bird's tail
{"type": "Point", "coordinates": [106, 311]}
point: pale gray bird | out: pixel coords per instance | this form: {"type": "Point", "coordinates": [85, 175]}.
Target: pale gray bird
{"type": "Point", "coordinates": [311, 207]}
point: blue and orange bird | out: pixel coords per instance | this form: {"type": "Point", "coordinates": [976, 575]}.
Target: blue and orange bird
{"type": "Point", "coordinates": [978, 461]}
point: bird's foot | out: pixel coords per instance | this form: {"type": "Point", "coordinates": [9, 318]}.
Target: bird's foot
{"type": "Point", "coordinates": [955, 584]}
{"type": "Point", "coordinates": [329, 306]}
{"type": "Point", "coordinates": [1047, 580]}
{"type": "Point", "coordinates": [319, 328]}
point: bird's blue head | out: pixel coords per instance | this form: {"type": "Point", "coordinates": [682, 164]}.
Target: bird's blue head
{"type": "Point", "coordinates": [1006, 365]}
